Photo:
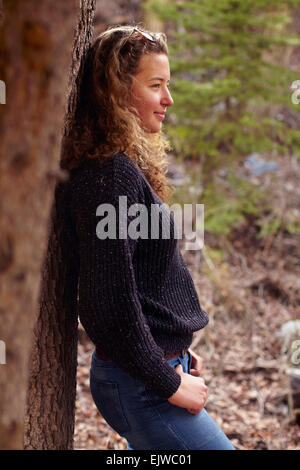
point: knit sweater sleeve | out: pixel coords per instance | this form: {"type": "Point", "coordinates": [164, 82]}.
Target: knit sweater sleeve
{"type": "Point", "coordinates": [109, 304]}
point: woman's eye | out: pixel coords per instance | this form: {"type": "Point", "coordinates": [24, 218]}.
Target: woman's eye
{"type": "Point", "coordinates": [157, 85]}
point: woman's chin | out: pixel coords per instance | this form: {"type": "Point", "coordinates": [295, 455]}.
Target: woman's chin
{"type": "Point", "coordinates": [153, 129]}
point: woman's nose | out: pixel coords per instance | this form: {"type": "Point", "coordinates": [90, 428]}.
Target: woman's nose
{"type": "Point", "coordinates": [167, 98]}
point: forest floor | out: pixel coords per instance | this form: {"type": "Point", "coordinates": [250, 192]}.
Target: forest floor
{"type": "Point", "coordinates": [248, 296]}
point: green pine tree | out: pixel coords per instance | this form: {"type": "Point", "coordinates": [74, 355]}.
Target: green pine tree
{"type": "Point", "coordinates": [225, 81]}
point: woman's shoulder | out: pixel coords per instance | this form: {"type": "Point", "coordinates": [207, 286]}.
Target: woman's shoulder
{"type": "Point", "coordinates": [127, 169]}
{"type": "Point", "coordinates": [98, 165]}
{"type": "Point", "coordinates": [118, 173]}
{"type": "Point", "coordinates": [123, 162]}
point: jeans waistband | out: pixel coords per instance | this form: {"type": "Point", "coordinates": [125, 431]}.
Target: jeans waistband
{"type": "Point", "coordinates": [103, 356]}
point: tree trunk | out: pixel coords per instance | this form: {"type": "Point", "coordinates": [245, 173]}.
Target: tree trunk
{"type": "Point", "coordinates": [294, 56]}
{"type": "Point", "coordinates": [153, 22]}
{"type": "Point", "coordinates": [52, 385]}
{"type": "Point", "coordinates": [35, 58]}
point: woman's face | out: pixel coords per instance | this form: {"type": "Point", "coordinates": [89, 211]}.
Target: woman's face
{"type": "Point", "coordinates": [150, 92]}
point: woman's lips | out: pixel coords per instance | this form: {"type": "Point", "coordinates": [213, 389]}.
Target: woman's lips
{"type": "Point", "coordinates": [160, 115]}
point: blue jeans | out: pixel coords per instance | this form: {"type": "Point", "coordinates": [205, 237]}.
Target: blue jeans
{"type": "Point", "coordinates": [144, 419]}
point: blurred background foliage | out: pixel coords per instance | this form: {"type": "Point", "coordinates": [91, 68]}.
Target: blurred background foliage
{"type": "Point", "coordinates": [231, 82]}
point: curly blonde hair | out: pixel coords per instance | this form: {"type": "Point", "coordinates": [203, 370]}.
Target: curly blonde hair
{"type": "Point", "coordinates": [104, 122]}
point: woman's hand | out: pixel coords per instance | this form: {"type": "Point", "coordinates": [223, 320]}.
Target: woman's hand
{"type": "Point", "coordinates": [197, 362]}
{"type": "Point", "coordinates": [192, 392]}
{"type": "Point", "coordinates": [196, 369]}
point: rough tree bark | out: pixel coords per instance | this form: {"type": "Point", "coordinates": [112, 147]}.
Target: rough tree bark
{"type": "Point", "coordinates": [50, 414]}
{"type": "Point", "coordinates": [36, 41]}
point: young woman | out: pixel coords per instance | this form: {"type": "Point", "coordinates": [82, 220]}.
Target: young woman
{"type": "Point", "coordinates": [137, 301]}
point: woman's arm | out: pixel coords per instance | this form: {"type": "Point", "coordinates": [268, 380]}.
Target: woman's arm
{"type": "Point", "coordinates": [109, 302]}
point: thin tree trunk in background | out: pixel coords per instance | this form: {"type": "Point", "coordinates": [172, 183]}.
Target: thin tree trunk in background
{"type": "Point", "coordinates": [294, 58]}
{"type": "Point", "coordinates": [36, 41]}
{"type": "Point", "coordinates": [153, 23]}
{"type": "Point", "coordinates": [52, 383]}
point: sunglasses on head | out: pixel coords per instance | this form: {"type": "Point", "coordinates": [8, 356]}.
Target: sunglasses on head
{"type": "Point", "coordinates": [142, 33]}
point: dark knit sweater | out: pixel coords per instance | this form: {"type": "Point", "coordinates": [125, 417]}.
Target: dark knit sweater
{"type": "Point", "coordinates": [137, 300]}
